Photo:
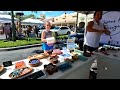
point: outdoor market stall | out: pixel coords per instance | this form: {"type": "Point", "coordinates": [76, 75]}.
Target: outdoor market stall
{"type": "Point", "coordinates": [30, 21]}
{"type": "Point", "coordinates": [61, 64]}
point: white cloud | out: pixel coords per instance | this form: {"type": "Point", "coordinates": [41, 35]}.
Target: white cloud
{"type": "Point", "coordinates": [49, 17]}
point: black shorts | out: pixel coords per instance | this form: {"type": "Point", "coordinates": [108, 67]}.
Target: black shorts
{"type": "Point", "coordinates": [88, 48]}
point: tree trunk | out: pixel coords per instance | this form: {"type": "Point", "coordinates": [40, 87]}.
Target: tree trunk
{"type": "Point", "coordinates": [13, 27]}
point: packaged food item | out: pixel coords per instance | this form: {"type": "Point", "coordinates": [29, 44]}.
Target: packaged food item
{"type": "Point", "coordinates": [50, 68]}
{"type": "Point", "coordinates": [53, 58]}
{"type": "Point", "coordinates": [57, 51]}
{"type": "Point", "coordinates": [17, 73]}
{"type": "Point", "coordinates": [20, 64]}
{"type": "Point", "coordinates": [34, 62]}
{"type": "Point", "coordinates": [65, 66]}
{"type": "Point", "coordinates": [75, 57]}
{"type": "Point", "coordinates": [38, 56]}
{"type": "Point", "coordinates": [50, 40]}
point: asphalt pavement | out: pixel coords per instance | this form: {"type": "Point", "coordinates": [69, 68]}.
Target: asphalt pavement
{"type": "Point", "coordinates": [18, 53]}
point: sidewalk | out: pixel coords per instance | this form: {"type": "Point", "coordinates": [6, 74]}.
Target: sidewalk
{"type": "Point", "coordinates": [20, 47]}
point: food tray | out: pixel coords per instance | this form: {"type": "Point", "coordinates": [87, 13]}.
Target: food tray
{"type": "Point", "coordinates": [37, 75]}
{"type": "Point", "coordinates": [64, 67]}
{"type": "Point", "coordinates": [34, 62]}
{"type": "Point", "coordinates": [17, 73]}
{"type": "Point", "coordinates": [20, 64]}
{"type": "Point", "coordinates": [38, 56]}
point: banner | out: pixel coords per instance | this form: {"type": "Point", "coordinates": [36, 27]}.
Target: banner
{"type": "Point", "coordinates": [111, 20]}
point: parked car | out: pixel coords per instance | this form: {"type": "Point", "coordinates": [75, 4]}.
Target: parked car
{"type": "Point", "coordinates": [61, 30]}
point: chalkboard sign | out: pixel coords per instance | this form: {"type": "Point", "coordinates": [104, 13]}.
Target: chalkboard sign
{"type": "Point", "coordinates": [111, 20]}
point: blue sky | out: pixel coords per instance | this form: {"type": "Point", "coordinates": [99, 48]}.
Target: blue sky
{"type": "Point", "coordinates": [47, 13]}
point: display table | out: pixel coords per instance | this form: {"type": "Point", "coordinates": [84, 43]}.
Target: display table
{"type": "Point", "coordinates": [80, 69]}
{"type": "Point", "coordinates": [108, 65]}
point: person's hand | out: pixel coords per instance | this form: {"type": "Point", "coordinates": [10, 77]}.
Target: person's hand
{"type": "Point", "coordinates": [104, 31]}
{"type": "Point", "coordinates": [107, 32]}
{"type": "Point", "coordinates": [101, 31]}
{"type": "Point", "coordinates": [45, 40]}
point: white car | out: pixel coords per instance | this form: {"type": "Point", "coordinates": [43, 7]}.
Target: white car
{"type": "Point", "coordinates": [59, 30]}
{"type": "Point", "coordinates": [62, 30]}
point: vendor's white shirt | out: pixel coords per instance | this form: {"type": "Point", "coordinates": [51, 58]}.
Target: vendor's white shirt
{"type": "Point", "coordinates": [92, 38]}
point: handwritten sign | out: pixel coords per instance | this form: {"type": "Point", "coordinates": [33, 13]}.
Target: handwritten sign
{"type": "Point", "coordinates": [111, 20]}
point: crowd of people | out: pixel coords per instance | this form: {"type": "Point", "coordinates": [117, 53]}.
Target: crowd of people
{"type": "Point", "coordinates": [6, 29]}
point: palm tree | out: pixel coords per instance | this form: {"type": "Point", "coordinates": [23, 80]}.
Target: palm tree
{"type": "Point", "coordinates": [13, 27]}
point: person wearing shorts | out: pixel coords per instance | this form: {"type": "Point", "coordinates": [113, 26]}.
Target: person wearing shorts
{"type": "Point", "coordinates": [47, 47]}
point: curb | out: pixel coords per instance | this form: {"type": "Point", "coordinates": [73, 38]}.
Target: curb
{"type": "Point", "coordinates": [20, 47]}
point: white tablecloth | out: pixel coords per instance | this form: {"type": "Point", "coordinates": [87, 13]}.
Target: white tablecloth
{"type": "Point", "coordinates": [80, 69]}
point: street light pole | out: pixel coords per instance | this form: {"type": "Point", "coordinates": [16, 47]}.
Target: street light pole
{"type": "Point", "coordinates": [65, 16]}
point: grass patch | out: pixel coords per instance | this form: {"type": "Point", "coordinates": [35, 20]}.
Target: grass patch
{"type": "Point", "coordinates": [63, 36]}
{"type": "Point", "coordinates": [30, 41]}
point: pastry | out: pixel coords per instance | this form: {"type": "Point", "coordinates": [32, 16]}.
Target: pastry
{"type": "Point", "coordinates": [53, 58]}
{"type": "Point", "coordinates": [20, 64]}
{"type": "Point", "coordinates": [20, 72]}
{"type": "Point", "coordinates": [75, 57]}
{"type": "Point", "coordinates": [38, 56]}
{"type": "Point", "coordinates": [57, 51]}
{"type": "Point", "coordinates": [50, 68]}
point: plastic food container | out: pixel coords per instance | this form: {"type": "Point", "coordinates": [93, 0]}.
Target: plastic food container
{"type": "Point", "coordinates": [50, 40]}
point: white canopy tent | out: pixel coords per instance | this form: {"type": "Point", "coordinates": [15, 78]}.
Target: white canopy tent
{"type": "Point", "coordinates": [86, 13]}
{"type": "Point", "coordinates": [31, 21]}
{"type": "Point", "coordinates": [4, 18]}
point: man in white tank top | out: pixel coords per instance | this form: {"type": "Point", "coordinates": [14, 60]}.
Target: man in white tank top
{"type": "Point", "coordinates": [94, 30]}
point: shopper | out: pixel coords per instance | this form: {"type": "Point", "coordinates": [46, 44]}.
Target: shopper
{"type": "Point", "coordinates": [47, 47]}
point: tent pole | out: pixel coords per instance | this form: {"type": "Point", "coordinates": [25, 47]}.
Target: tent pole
{"type": "Point", "coordinates": [85, 26]}
{"type": "Point", "coordinates": [76, 22]}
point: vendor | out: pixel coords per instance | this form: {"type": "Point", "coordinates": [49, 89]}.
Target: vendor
{"type": "Point", "coordinates": [94, 30]}
{"type": "Point", "coordinates": [47, 47]}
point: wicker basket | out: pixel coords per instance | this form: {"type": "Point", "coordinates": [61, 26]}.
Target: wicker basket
{"type": "Point", "coordinates": [35, 64]}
